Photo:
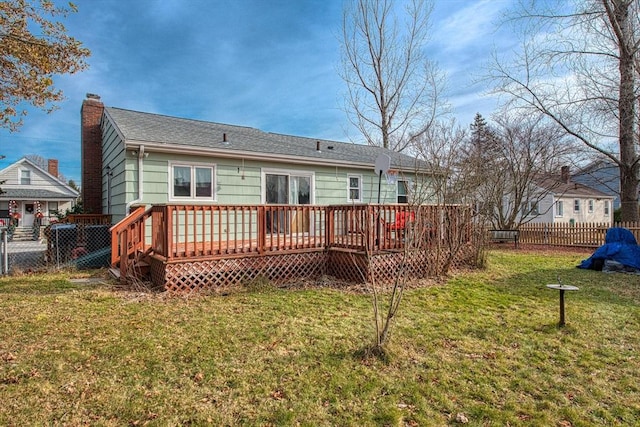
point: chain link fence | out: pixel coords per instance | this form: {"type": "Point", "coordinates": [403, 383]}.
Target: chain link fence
{"type": "Point", "coordinates": [54, 247]}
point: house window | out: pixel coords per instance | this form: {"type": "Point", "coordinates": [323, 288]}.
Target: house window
{"type": "Point", "coordinates": [403, 192]}
{"type": "Point", "coordinates": [4, 209]}
{"type": "Point", "coordinates": [559, 208]}
{"type": "Point", "coordinates": [288, 187]}
{"type": "Point", "coordinates": [529, 209]}
{"type": "Point", "coordinates": [52, 208]}
{"type": "Point", "coordinates": [192, 181]}
{"type": "Point", "coordinates": [606, 208]}
{"type": "Point", "coordinates": [576, 206]}
{"type": "Point", "coordinates": [355, 188]}
{"type": "Point", "coordinates": [590, 206]}
{"type": "Point", "coordinates": [25, 177]}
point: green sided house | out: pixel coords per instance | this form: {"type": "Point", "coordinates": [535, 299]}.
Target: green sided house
{"type": "Point", "coordinates": [134, 158]}
{"type": "Point", "coordinates": [207, 204]}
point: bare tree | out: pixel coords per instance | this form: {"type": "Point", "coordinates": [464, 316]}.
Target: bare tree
{"type": "Point", "coordinates": [394, 96]}
{"type": "Point", "coordinates": [507, 162]}
{"type": "Point", "coordinates": [453, 187]}
{"type": "Point", "coordinates": [394, 91]}
{"type": "Point", "coordinates": [580, 67]}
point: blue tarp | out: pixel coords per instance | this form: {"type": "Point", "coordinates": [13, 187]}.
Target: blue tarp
{"type": "Point", "coordinates": [620, 246]}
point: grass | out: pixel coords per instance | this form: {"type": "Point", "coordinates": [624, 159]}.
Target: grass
{"type": "Point", "coordinates": [485, 344]}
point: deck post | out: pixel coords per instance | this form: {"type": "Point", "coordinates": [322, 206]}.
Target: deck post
{"type": "Point", "coordinates": [168, 213]}
{"type": "Point", "coordinates": [124, 257]}
{"type": "Point", "coordinates": [329, 227]}
{"type": "Point", "coordinates": [262, 229]}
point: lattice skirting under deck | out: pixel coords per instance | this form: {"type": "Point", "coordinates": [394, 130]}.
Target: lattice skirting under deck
{"type": "Point", "coordinates": [381, 268]}
{"type": "Point", "coordinates": [218, 274]}
{"type": "Point", "coordinates": [356, 267]}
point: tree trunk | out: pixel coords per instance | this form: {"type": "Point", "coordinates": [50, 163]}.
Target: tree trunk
{"type": "Point", "coordinates": [626, 106]}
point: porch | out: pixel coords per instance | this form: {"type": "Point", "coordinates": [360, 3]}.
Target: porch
{"type": "Point", "coordinates": [182, 248]}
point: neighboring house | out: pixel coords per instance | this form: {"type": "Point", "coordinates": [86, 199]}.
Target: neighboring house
{"type": "Point", "coordinates": [136, 158]}
{"type": "Point", "coordinates": [30, 191]}
{"type": "Point", "coordinates": [602, 175]}
{"type": "Point", "coordinates": [562, 200]}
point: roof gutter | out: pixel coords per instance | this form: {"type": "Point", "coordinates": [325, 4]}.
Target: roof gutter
{"type": "Point", "coordinates": [249, 155]}
{"type": "Point", "coordinates": [141, 156]}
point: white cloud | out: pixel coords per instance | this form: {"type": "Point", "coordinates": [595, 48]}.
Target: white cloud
{"type": "Point", "coordinates": [470, 26]}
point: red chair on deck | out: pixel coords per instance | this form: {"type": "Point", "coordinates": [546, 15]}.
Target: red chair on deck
{"type": "Point", "coordinates": [402, 221]}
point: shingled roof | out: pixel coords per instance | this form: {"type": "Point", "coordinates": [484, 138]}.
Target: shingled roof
{"type": "Point", "coordinates": [570, 188]}
{"type": "Point", "coordinates": [33, 194]}
{"type": "Point", "coordinates": [157, 131]}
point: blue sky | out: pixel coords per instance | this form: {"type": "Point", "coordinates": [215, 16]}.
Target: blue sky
{"type": "Point", "coordinates": [269, 64]}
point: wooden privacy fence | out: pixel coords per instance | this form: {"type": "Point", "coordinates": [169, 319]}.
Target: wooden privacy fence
{"type": "Point", "coordinates": [577, 234]}
{"type": "Point", "coordinates": [88, 219]}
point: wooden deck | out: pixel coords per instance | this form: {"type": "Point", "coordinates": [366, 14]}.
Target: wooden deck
{"type": "Point", "coordinates": [193, 247]}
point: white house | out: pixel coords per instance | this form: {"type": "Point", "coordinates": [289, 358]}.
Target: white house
{"type": "Point", "coordinates": [28, 191]}
{"type": "Point", "coordinates": [562, 200]}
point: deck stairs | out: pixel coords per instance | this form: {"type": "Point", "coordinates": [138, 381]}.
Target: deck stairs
{"type": "Point", "coordinates": [139, 267]}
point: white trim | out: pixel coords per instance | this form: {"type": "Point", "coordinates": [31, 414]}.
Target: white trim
{"type": "Point", "coordinates": [131, 144]}
{"type": "Point", "coordinates": [556, 204]}
{"type": "Point", "coordinates": [349, 199]}
{"type": "Point", "coordinates": [407, 187]}
{"type": "Point", "coordinates": [193, 166]}
{"type": "Point", "coordinates": [289, 172]}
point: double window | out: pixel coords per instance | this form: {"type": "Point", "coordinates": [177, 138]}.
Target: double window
{"type": "Point", "coordinates": [576, 206]}
{"type": "Point", "coordinates": [192, 181]}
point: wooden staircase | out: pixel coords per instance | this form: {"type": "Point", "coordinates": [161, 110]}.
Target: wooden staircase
{"type": "Point", "coordinates": [130, 255]}
{"type": "Point", "coordinates": [139, 269]}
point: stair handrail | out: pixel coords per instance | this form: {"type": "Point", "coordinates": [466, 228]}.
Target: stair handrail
{"type": "Point", "coordinates": [121, 244]}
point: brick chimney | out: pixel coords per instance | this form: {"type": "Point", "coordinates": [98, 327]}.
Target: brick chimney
{"type": "Point", "coordinates": [91, 153]}
{"type": "Point", "coordinates": [564, 174]}
{"type": "Point", "coordinates": [52, 167]}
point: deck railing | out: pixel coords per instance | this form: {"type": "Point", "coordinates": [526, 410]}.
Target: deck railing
{"type": "Point", "coordinates": [393, 227]}
{"type": "Point", "coordinates": [206, 231]}
{"type": "Point", "coordinates": [128, 237]}
{"type": "Point", "coordinates": [176, 232]}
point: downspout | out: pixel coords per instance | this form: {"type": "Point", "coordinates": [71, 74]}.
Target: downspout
{"type": "Point", "coordinates": [141, 156]}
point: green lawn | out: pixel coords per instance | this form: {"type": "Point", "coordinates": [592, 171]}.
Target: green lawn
{"type": "Point", "coordinates": [485, 344]}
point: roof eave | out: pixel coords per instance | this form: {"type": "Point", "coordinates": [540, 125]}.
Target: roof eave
{"type": "Point", "coordinates": [248, 155]}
